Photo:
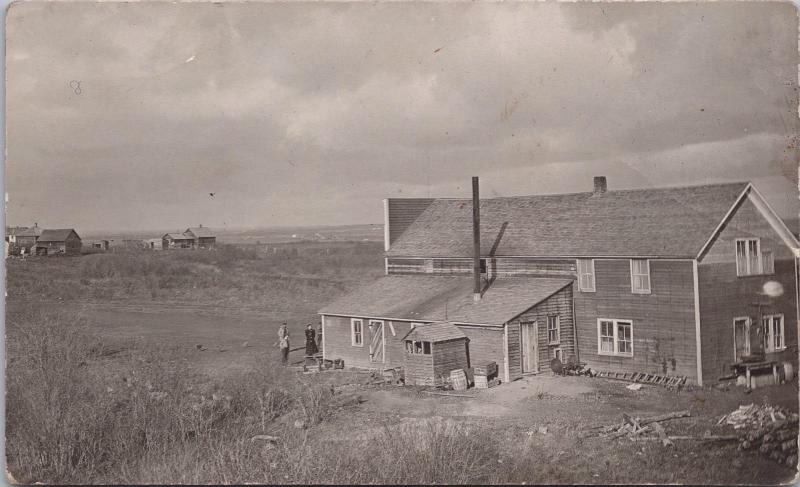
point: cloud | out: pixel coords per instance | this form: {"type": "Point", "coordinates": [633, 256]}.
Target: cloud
{"type": "Point", "coordinates": [301, 113]}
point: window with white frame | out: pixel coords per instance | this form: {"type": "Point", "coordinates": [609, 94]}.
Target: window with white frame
{"type": "Point", "coordinates": [773, 332]}
{"type": "Point", "coordinates": [553, 330]}
{"type": "Point", "coordinates": [357, 332]}
{"type": "Point", "coordinates": [640, 276]}
{"type": "Point", "coordinates": [615, 337]}
{"type": "Point", "coordinates": [586, 275]}
{"type": "Point", "coordinates": [751, 260]}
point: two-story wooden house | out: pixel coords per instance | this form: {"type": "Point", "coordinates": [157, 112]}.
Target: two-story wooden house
{"type": "Point", "coordinates": [667, 281]}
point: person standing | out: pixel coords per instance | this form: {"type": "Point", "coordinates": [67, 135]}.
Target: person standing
{"type": "Point", "coordinates": [283, 344]}
{"type": "Point", "coordinates": [311, 344]}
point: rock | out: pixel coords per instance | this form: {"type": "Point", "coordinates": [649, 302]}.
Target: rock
{"type": "Point", "coordinates": [542, 430]}
{"type": "Point", "coordinates": [299, 424]}
{"type": "Point", "coordinates": [267, 438]}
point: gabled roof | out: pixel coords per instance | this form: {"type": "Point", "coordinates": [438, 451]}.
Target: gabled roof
{"type": "Point", "coordinates": [656, 222]}
{"type": "Point", "coordinates": [435, 332]}
{"type": "Point", "coordinates": [56, 235]}
{"type": "Point", "coordinates": [444, 298]}
{"type": "Point", "coordinates": [30, 232]}
{"type": "Point", "coordinates": [200, 232]}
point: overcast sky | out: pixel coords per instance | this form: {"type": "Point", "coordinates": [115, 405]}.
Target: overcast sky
{"type": "Point", "coordinates": [127, 116]}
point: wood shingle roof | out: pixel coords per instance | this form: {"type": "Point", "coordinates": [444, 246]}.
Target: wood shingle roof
{"type": "Point", "coordinates": [56, 235]}
{"type": "Point", "coordinates": [444, 298]}
{"type": "Point", "coordinates": [656, 222]}
{"type": "Point", "coordinates": [435, 332]}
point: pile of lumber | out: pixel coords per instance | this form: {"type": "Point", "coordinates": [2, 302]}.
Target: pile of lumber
{"type": "Point", "coordinates": [772, 430]}
{"type": "Point", "coordinates": [633, 427]}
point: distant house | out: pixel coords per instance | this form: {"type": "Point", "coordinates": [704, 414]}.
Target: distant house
{"type": "Point", "coordinates": [98, 244]}
{"type": "Point", "coordinates": [59, 241]}
{"type": "Point", "coordinates": [193, 238]}
{"type": "Point", "coordinates": [203, 237]}
{"type": "Point", "coordinates": [26, 239]}
{"type": "Point", "coordinates": [153, 243]}
{"type": "Point", "coordinates": [171, 241]}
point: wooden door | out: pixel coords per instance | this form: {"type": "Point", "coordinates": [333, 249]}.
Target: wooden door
{"type": "Point", "coordinates": [741, 337]}
{"type": "Point", "coordinates": [377, 343]}
{"type": "Point", "coordinates": [529, 346]}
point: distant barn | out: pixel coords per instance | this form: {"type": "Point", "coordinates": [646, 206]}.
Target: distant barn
{"type": "Point", "coordinates": [203, 237]}
{"type": "Point", "coordinates": [64, 241]}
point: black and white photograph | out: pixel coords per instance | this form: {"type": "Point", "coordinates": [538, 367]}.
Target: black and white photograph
{"type": "Point", "coordinates": [401, 243]}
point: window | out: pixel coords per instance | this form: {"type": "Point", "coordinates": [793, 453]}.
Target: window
{"type": "Point", "coordinates": [483, 266]}
{"type": "Point", "coordinates": [773, 332]}
{"type": "Point", "coordinates": [750, 260]}
{"type": "Point", "coordinates": [586, 275]}
{"type": "Point", "coordinates": [553, 330]}
{"type": "Point", "coordinates": [356, 332]}
{"type": "Point", "coordinates": [615, 337]}
{"type": "Point", "coordinates": [640, 276]}
{"type": "Point", "coordinates": [418, 347]}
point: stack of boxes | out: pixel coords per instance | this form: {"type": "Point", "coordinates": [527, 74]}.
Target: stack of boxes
{"type": "Point", "coordinates": [484, 375]}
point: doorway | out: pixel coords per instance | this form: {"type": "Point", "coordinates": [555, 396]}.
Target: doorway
{"type": "Point", "coordinates": [529, 333]}
{"type": "Point", "coordinates": [741, 337]}
{"type": "Point", "coordinates": [377, 344]}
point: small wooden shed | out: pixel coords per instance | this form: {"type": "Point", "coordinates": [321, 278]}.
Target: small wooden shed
{"type": "Point", "coordinates": [432, 350]}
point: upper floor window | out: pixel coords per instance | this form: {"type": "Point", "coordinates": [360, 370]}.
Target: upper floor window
{"type": "Point", "coordinates": [586, 275]}
{"type": "Point", "coordinates": [751, 259]}
{"type": "Point", "coordinates": [640, 276]}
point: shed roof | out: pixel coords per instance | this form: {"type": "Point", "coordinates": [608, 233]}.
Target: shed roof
{"type": "Point", "coordinates": [656, 222]}
{"type": "Point", "coordinates": [56, 235]}
{"type": "Point", "coordinates": [200, 232]}
{"type": "Point", "coordinates": [435, 332]}
{"type": "Point", "coordinates": [445, 298]}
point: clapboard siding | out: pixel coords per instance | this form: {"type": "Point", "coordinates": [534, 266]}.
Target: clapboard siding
{"type": "Point", "coordinates": [403, 212]}
{"type": "Point", "coordinates": [500, 267]}
{"type": "Point", "coordinates": [663, 321]}
{"type": "Point", "coordinates": [448, 356]}
{"type": "Point", "coordinates": [725, 296]}
{"type": "Point", "coordinates": [559, 304]}
{"type": "Point", "coordinates": [485, 345]}
{"type": "Point", "coordinates": [338, 345]}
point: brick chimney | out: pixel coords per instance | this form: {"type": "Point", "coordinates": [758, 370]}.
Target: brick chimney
{"type": "Point", "coordinates": [600, 185]}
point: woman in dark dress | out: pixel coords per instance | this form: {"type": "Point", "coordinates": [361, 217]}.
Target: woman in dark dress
{"type": "Point", "coordinates": [311, 344]}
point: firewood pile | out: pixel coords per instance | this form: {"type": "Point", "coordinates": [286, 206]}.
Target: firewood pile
{"type": "Point", "coordinates": [770, 429]}
{"type": "Point", "coordinates": [635, 427]}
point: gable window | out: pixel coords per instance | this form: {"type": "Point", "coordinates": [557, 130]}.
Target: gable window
{"type": "Point", "coordinates": [357, 332]}
{"type": "Point", "coordinates": [586, 275]}
{"type": "Point", "coordinates": [773, 332]}
{"type": "Point", "coordinates": [751, 260]}
{"type": "Point", "coordinates": [640, 276]}
{"type": "Point", "coordinates": [553, 327]}
{"type": "Point", "coordinates": [615, 337]}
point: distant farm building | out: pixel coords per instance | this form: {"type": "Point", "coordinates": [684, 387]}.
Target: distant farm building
{"type": "Point", "coordinates": [25, 239]}
{"type": "Point", "coordinates": [153, 244]}
{"type": "Point", "coordinates": [98, 244]}
{"type": "Point", "coordinates": [193, 238]}
{"type": "Point", "coordinates": [203, 237]}
{"type": "Point", "coordinates": [172, 241]}
{"type": "Point", "coordinates": [64, 241]}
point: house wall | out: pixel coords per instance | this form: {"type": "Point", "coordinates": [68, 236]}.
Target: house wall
{"type": "Point", "coordinates": [206, 242]}
{"type": "Point", "coordinates": [338, 345]}
{"type": "Point", "coordinates": [663, 321]}
{"type": "Point", "coordinates": [418, 370]}
{"type": "Point", "coordinates": [497, 266]}
{"type": "Point", "coordinates": [559, 304]}
{"type": "Point", "coordinates": [485, 345]}
{"type": "Point", "coordinates": [73, 245]}
{"type": "Point", "coordinates": [449, 355]}
{"type": "Point", "coordinates": [725, 296]}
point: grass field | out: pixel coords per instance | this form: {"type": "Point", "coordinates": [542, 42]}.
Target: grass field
{"type": "Point", "coordinates": [106, 384]}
